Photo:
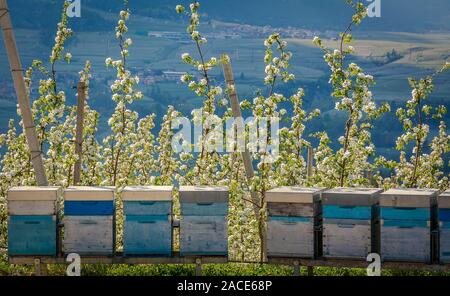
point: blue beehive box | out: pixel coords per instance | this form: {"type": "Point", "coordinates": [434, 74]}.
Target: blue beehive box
{"type": "Point", "coordinates": [350, 221]}
{"type": "Point", "coordinates": [444, 226]}
{"type": "Point", "coordinates": [148, 220]}
{"type": "Point", "coordinates": [293, 224]}
{"type": "Point", "coordinates": [203, 226]}
{"type": "Point", "coordinates": [89, 221]}
{"type": "Point", "coordinates": [407, 222]}
{"type": "Point", "coordinates": [33, 221]}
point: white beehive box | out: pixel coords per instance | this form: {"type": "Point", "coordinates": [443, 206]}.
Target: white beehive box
{"type": "Point", "coordinates": [34, 201]}
{"type": "Point", "coordinates": [204, 226]}
{"type": "Point", "coordinates": [89, 221]}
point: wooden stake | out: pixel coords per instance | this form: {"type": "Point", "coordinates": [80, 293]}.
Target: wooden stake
{"type": "Point", "coordinates": [309, 167]}
{"type": "Point", "coordinates": [310, 270]}
{"type": "Point", "coordinates": [22, 94]}
{"type": "Point", "coordinates": [40, 269]}
{"type": "Point", "coordinates": [296, 268]}
{"type": "Point", "coordinates": [246, 158]}
{"type": "Point", "coordinates": [79, 134]}
{"type": "Point", "coordinates": [198, 267]}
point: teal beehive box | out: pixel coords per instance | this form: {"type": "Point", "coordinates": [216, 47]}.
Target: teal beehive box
{"type": "Point", "coordinates": [33, 215]}
{"type": "Point", "coordinates": [444, 226]}
{"type": "Point", "coordinates": [148, 220]}
{"type": "Point", "coordinates": [350, 222]}
{"type": "Point", "coordinates": [408, 218]}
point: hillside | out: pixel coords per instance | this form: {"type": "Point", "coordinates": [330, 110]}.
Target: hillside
{"type": "Point", "coordinates": [398, 15]}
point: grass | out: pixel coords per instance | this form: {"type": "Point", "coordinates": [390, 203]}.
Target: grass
{"type": "Point", "coordinates": [229, 269]}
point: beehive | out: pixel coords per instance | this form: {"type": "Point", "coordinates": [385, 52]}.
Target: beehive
{"type": "Point", "coordinates": [203, 226]}
{"type": "Point", "coordinates": [350, 218]}
{"type": "Point", "coordinates": [148, 220]}
{"type": "Point", "coordinates": [407, 217]}
{"type": "Point", "coordinates": [293, 224]}
{"type": "Point", "coordinates": [33, 215]}
{"type": "Point", "coordinates": [89, 221]}
{"type": "Point", "coordinates": [444, 226]}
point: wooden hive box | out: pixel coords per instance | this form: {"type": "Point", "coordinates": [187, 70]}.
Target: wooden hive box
{"type": "Point", "coordinates": [203, 226]}
{"type": "Point", "coordinates": [89, 221]}
{"type": "Point", "coordinates": [294, 218]}
{"type": "Point", "coordinates": [33, 215]}
{"type": "Point", "coordinates": [408, 217]}
{"type": "Point", "coordinates": [350, 217]}
{"type": "Point", "coordinates": [148, 220]}
{"type": "Point", "coordinates": [444, 226]}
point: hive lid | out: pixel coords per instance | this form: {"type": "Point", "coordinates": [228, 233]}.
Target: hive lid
{"type": "Point", "coordinates": [152, 193]}
{"type": "Point", "coordinates": [444, 200]}
{"type": "Point", "coordinates": [351, 196]}
{"type": "Point", "coordinates": [294, 194]}
{"type": "Point", "coordinates": [89, 193]}
{"type": "Point", "coordinates": [34, 193]}
{"type": "Point", "coordinates": [408, 197]}
{"type": "Point", "coordinates": [203, 194]}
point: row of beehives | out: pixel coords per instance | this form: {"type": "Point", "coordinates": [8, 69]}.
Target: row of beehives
{"type": "Point", "coordinates": [402, 224]}
{"type": "Point", "coordinates": [89, 221]}
{"type": "Point", "coordinates": [399, 224]}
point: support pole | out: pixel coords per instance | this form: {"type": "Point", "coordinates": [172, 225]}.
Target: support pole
{"type": "Point", "coordinates": [79, 133]}
{"type": "Point", "coordinates": [236, 109]}
{"type": "Point", "coordinates": [22, 94]}
{"type": "Point", "coordinates": [309, 166]}
{"type": "Point", "coordinates": [198, 267]}
{"type": "Point", "coordinates": [296, 268]}
{"type": "Point", "coordinates": [246, 158]}
{"type": "Point", "coordinates": [40, 268]}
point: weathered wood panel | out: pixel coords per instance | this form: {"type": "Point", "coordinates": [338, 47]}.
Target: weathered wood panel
{"type": "Point", "coordinates": [204, 235]}
{"type": "Point", "coordinates": [351, 196]}
{"type": "Point", "coordinates": [89, 208]}
{"type": "Point", "coordinates": [347, 212]}
{"type": "Point", "coordinates": [31, 193]}
{"type": "Point", "coordinates": [420, 214]}
{"type": "Point", "coordinates": [144, 208]}
{"type": "Point", "coordinates": [32, 235]}
{"type": "Point", "coordinates": [89, 193]}
{"type": "Point", "coordinates": [294, 194]}
{"type": "Point", "coordinates": [147, 193]}
{"type": "Point", "coordinates": [290, 237]}
{"type": "Point", "coordinates": [148, 235]}
{"type": "Point", "coordinates": [444, 214]}
{"type": "Point", "coordinates": [36, 208]}
{"type": "Point", "coordinates": [346, 238]}
{"type": "Point", "coordinates": [444, 200]}
{"type": "Point", "coordinates": [405, 243]}
{"type": "Point", "coordinates": [409, 198]}
{"type": "Point", "coordinates": [444, 243]}
{"type": "Point", "coordinates": [205, 208]}
{"type": "Point", "coordinates": [293, 209]}
{"type": "Point", "coordinates": [195, 194]}
{"type": "Point", "coordinates": [89, 235]}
